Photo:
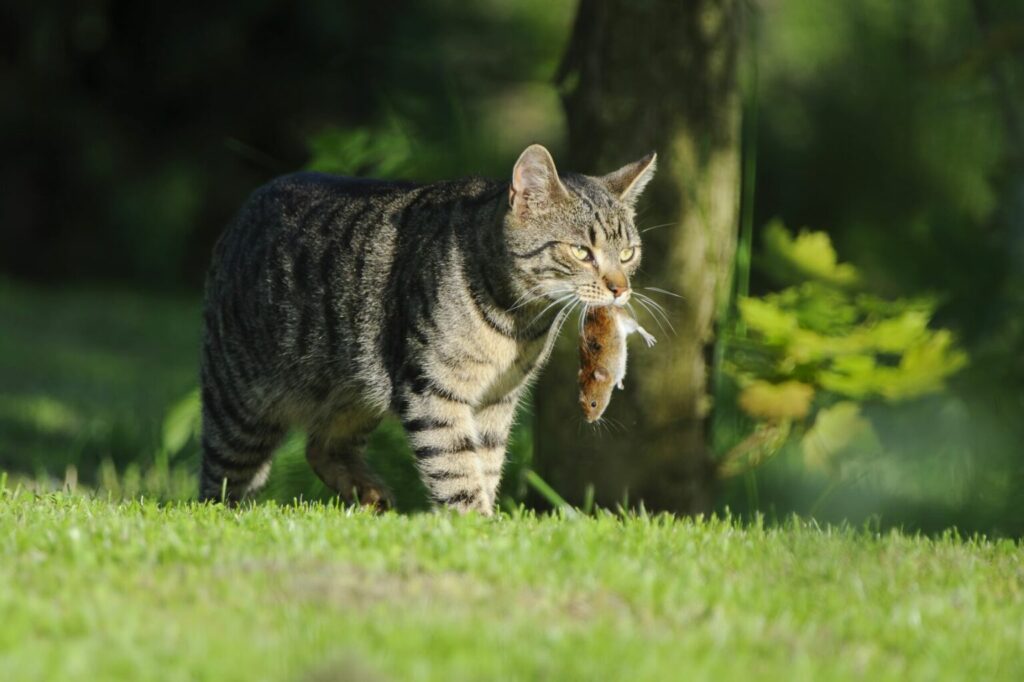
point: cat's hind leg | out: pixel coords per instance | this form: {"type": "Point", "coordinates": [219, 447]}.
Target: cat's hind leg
{"type": "Point", "coordinates": [336, 452]}
{"type": "Point", "coordinates": [239, 436]}
{"type": "Point", "coordinates": [236, 450]}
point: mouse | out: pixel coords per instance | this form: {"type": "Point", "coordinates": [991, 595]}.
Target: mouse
{"type": "Point", "coordinates": [603, 356]}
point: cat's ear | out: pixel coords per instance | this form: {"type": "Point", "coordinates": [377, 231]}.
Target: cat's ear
{"type": "Point", "coordinates": [535, 184]}
{"type": "Point", "coordinates": [628, 182]}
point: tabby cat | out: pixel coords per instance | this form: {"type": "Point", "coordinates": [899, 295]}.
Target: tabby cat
{"type": "Point", "coordinates": [333, 300]}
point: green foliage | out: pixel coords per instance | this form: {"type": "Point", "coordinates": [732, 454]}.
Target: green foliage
{"type": "Point", "coordinates": [809, 255]}
{"type": "Point", "coordinates": [786, 400]}
{"type": "Point", "coordinates": [181, 424]}
{"type": "Point", "coordinates": [839, 430]}
{"type": "Point", "coordinates": [382, 152]}
{"type": "Point", "coordinates": [822, 340]}
{"type": "Point", "coordinates": [767, 439]}
{"type": "Point", "coordinates": [854, 346]}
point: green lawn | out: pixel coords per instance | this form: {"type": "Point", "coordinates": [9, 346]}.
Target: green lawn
{"type": "Point", "coordinates": [98, 590]}
{"type": "Point", "coordinates": [86, 374]}
{"type": "Point", "coordinates": [96, 585]}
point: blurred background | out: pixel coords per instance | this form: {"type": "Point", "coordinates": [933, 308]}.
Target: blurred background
{"type": "Point", "coordinates": [858, 167]}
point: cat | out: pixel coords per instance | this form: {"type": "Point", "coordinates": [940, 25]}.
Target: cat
{"type": "Point", "coordinates": [331, 301]}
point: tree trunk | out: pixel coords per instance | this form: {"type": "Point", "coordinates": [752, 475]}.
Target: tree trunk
{"type": "Point", "coordinates": [643, 75]}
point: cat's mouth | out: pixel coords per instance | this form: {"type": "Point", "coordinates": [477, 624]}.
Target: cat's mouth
{"type": "Point", "coordinates": [604, 301]}
{"type": "Point", "coordinates": [598, 295]}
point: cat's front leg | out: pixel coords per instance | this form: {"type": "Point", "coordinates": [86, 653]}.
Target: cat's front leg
{"type": "Point", "coordinates": [494, 423]}
{"type": "Point", "coordinates": [443, 436]}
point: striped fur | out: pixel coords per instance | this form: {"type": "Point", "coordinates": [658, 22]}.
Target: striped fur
{"type": "Point", "coordinates": [332, 301]}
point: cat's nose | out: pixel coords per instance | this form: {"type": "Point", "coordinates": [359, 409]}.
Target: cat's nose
{"type": "Point", "coordinates": [619, 291]}
{"type": "Point", "coordinates": [617, 284]}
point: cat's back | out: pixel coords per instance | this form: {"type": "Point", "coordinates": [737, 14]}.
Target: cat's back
{"type": "Point", "coordinates": [308, 200]}
{"type": "Point", "coordinates": [285, 228]}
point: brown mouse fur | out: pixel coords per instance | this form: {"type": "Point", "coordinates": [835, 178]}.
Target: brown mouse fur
{"type": "Point", "coordinates": [601, 346]}
{"type": "Point", "coordinates": [603, 357]}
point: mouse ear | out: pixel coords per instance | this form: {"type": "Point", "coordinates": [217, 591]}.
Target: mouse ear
{"type": "Point", "coordinates": [601, 374]}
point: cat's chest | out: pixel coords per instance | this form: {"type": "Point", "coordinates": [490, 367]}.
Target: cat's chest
{"type": "Point", "coordinates": [490, 369]}
{"type": "Point", "coordinates": [510, 374]}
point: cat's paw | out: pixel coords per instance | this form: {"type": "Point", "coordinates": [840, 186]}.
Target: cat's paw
{"type": "Point", "coordinates": [377, 498]}
{"type": "Point", "coordinates": [464, 504]}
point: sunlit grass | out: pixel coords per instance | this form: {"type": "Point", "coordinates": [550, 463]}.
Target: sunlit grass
{"type": "Point", "coordinates": [96, 589]}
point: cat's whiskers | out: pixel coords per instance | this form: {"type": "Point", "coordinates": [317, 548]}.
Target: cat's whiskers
{"type": "Point", "coordinates": [655, 227]}
{"type": "Point", "coordinates": [650, 300]}
{"type": "Point", "coordinates": [528, 297]}
{"type": "Point", "coordinates": [567, 310]}
{"type": "Point", "coordinates": [583, 316]}
{"type": "Point", "coordinates": [653, 316]}
{"type": "Point", "coordinates": [654, 305]}
{"type": "Point", "coordinates": [549, 306]}
{"type": "Point", "coordinates": [664, 291]}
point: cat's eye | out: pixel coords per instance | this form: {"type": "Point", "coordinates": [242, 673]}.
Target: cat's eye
{"type": "Point", "coordinates": [626, 255]}
{"type": "Point", "coordinates": [581, 252]}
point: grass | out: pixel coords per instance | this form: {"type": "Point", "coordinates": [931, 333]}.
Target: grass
{"type": "Point", "coordinates": [100, 583]}
{"type": "Point", "coordinates": [87, 374]}
{"type": "Point", "coordinates": [94, 589]}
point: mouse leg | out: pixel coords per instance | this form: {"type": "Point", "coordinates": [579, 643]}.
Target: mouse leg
{"type": "Point", "coordinates": [647, 337]}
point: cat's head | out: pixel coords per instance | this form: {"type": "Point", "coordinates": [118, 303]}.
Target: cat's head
{"type": "Point", "coordinates": [573, 237]}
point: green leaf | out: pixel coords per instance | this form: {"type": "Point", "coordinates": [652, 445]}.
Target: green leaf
{"type": "Point", "coordinates": [925, 366]}
{"type": "Point", "coordinates": [809, 255]}
{"type": "Point", "coordinates": [764, 443]}
{"type": "Point", "coordinates": [853, 376]}
{"type": "Point", "coordinates": [381, 152]}
{"type": "Point", "coordinates": [897, 334]}
{"type": "Point", "coordinates": [787, 400]}
{"type": "Point", "coordinates": [766, 318]}
{"type": "Point", "coordinates": [839, 432]}
{"type": "Point", "coordinates": [181, 423]}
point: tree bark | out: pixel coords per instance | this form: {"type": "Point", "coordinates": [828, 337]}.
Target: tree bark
{"type": "Point", "coordinates": [661, 75]}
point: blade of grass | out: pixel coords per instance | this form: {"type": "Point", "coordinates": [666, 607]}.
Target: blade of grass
{"type": "Point", "coordinates": [547, 492]}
